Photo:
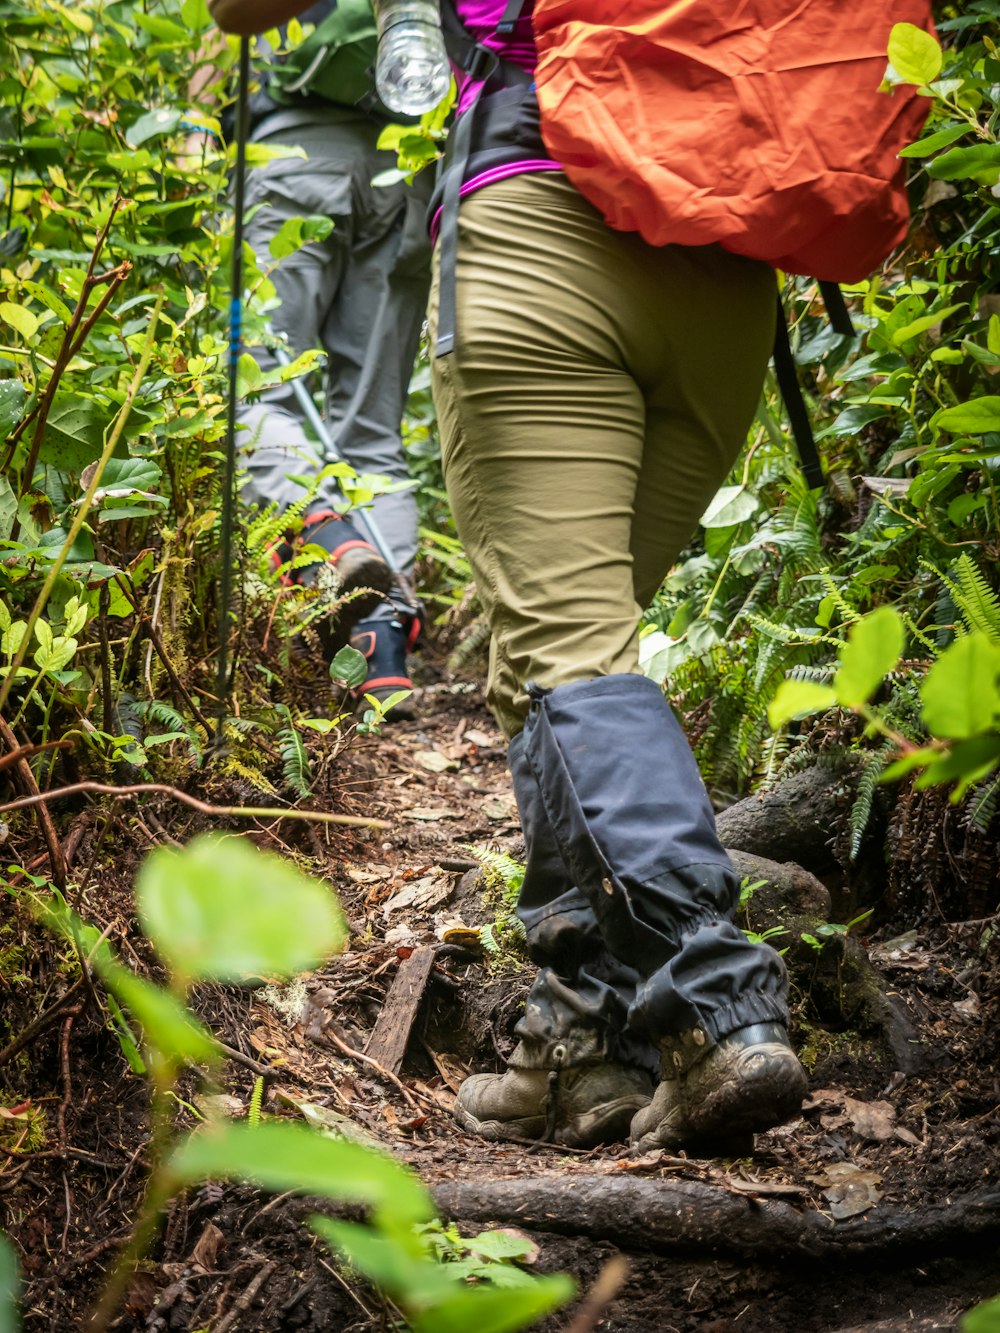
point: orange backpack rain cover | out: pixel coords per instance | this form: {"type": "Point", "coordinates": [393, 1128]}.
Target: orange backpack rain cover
{"type": "Point", "coordinates": [757, 124]}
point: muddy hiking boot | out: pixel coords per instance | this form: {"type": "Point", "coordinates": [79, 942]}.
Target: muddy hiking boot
{"type": "Point", "coordinates": [749, 1081]}
{"type": "Point", "coordinates": [362, 578]}
{"type": "Point", "coordinates": [385, 640]}
{"type": "Point", "coordinates": [578, 1107]}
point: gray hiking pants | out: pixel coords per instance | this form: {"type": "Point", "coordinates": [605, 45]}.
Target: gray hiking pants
{"type": "Point", "coordinates": [360, 295]}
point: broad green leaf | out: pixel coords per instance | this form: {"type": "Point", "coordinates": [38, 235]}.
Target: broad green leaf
{"type": "Point", "coordinates": [349, 666]}
{"type": "Point", "coordinates": [980, 163]}
{"type": "Point", "coordinates": [960, 696]}
{"type": "Point", "coordinates": [912, 759]}
{"type": "Point", "coordinates": [162, 120]}
{"type": "Point", "coordinates": [20, 318]}
{"type": "Point", "coordinates": [222, 910]}
{"type": "Point", "coordinates": [8, 508]}
{"type": "Point", "coordinates": [259, 154]}
{"type": "Point", "coordinates": [163, 29]}
{"type": "Point", "coordinates": [798, 698]}
{"type": "Point", "coordinates": [732, 504]}
{"type": "Point", "coordinates": [9, 1288]}
{"type": "Point", "coordinates": [929, 146]}
{"type": "Point", "coordinates": [983, 1318]}
{"type": "Point", "coordinates": [282, 1157]}
{"type": "Point", "coordinates": [872, 649]}
{"type": "Point", "coordinates": [993, 335]}
{"type": "Point", "coordinates": [294, 233]}
{"type": "Point", "coordinates": [921, 325]}
{"type": "Point", "coordinates": [488, 1309]}
{"type": "Point", "coordinates": [248, 375]}
{"type": "Point", "coordinates": [966, 761]}
{"type": "Point", "coordinates": [976, 417]}
{"type": "Point", "coordinates": [74, 17]}
{"type": "Point", "coordinates": [125, 476]}
{"type": "Point", "coordinates": [12, 399]}
{"type": "Point", "coordinates": [500, 1245]}
{"type": "Point", "coordinates": [74, 433]}
{"type": "Point", "coordinates": [398, 1263]}
{"type": "Point", "coordinates": [168, 1024]}
{"type": "Point", "coordinates": [914, 54]}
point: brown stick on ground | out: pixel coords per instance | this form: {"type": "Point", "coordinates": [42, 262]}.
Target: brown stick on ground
{"type": "Point", "coordinates": [387, 1044]}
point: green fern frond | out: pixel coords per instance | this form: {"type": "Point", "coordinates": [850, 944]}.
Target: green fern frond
{"type": "Point", "coordinates": [502, 871]}
{"type": "Point", "coordinates": [983, 806]}
{"type": "Point", "coordinates": [849, 614]}
{"type": "Point", "coordinates": [236, 768]}
{"type": "Point", "coordinates": [295, 760]}
{"type": "Point", "coordinates": [820, 674]}
{"type": "Point", "coordinates": [976, 600]}
{"type": "Point", "coordinates": [861, 811]}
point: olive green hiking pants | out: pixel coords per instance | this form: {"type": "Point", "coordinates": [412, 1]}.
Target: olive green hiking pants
{"type": "Point", "coordinates": [598, 393]}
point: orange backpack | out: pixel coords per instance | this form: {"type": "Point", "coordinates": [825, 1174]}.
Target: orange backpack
{"type": "Point", "coordinates": [759, 126]}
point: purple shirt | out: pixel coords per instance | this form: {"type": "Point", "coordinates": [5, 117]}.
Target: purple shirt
{"type": "Point", "coordinates": [480, 18]}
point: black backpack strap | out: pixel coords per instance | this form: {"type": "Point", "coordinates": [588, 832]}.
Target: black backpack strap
{"type": "Point", "coordinates": [508, 19]}
{"type": "Point", "coordinates": [836, 308]}
{"type": "Point", "coordinates": [788, 379]}
{"type": "Point", "coordinates": [791, 392]}
{"type": "Point", "coordinates": [485, 67]}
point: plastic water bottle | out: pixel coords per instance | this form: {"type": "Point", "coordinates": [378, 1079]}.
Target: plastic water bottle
{"type": "Point", "coordinates": [412, 73]}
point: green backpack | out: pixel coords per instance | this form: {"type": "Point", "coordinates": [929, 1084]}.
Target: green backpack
{"type": "Point", "coordinates": [336, 61]}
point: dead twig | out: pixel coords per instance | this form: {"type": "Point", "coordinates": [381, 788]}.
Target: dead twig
{"type": "Point", "coordinates": [43, 1021]}
{"type": "Point", "coordinates": [57, 861]}
{"type": "Point", "coordinates": [344, 1049]}
{"type": "Point", "coordinates": [247, 1299]}
{"type": "Point", "coordinates": [224, 811]}
{"type": "Point", "coordinates": [610, 1281]}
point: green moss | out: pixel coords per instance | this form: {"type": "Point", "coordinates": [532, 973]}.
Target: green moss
{"type": "Point", "coordinates": [13, 965]}
{"type": "Point", "coordinates": [24, 1134]}
{"type": "Point", "coordinates": [817, 1044]}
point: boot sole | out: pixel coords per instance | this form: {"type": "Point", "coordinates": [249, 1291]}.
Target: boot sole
{"type": "Point", "coordinates": [607, 1123]}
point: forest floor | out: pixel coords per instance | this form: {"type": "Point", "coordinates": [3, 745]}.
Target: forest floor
{"type": "Point", "coordinates": [878, 1209]}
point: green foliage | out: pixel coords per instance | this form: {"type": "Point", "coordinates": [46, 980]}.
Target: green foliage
{"type": "Point", "coordinates": [983, 1318]}
{"type": "Point", "coordinates": [9, 1284]}
{"type": "Point", "coordinates": [221, 910]}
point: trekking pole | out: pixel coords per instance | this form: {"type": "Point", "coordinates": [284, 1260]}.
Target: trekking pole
{"type": "Point", "coordinates": [235, 342]}
{"type": "Point", "coordinates": [319, 426]}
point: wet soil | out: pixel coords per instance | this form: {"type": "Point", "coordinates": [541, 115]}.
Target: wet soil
{"type": "Point", "coordinates": [871, 1148]}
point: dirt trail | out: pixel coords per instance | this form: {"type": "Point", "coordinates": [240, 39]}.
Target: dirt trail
{"type": "Point", "coordinates": [879, 1209]}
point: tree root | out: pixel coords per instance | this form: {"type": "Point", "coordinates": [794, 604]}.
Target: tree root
{"type": "Point", "coordinates": [685, 1216]}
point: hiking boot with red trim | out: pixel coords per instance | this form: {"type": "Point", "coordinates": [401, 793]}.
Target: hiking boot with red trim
{"type": "Point", "coordinates": [385, 642]}
{"type": "Point", "coordinates": [358, 566]}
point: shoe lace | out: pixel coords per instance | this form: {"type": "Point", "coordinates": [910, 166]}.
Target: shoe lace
{"type": "Point", "coordinates": [552, 1093]}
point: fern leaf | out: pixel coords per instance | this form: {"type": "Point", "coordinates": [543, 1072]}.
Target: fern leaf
{"type": "Point", "coordinates": [978, 603]}
{"type": "Point", "coordinates": [295, 761]}
{"type": "Point", "coordinates": [983, 805]}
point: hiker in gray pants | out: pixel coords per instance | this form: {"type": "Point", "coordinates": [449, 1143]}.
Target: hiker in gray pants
{"type": "Point", "coordinates": [360, 295]}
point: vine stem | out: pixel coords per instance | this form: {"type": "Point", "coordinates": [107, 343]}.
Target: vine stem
{"type": "Point", "coordinates": [225, 811]}
{"type": "Point", "coordinates": [86, 504]}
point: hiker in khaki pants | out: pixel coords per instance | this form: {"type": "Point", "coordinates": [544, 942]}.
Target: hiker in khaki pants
{"type": "Point", "coordinates": [593, 391]}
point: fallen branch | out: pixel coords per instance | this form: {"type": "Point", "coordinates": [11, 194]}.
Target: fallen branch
{"type": "Point", "coordinates": [223, 811]}
{"type": "Point", "coordinates": [689, 1216]}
